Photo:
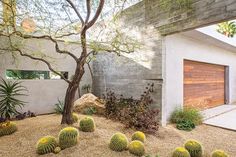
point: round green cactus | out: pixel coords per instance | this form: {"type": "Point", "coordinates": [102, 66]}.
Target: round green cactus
{"type": "Point", "coordinates": [7, 128]}
{"type": "Point", "coordinates": [68, 137]}
{"type": "Point", "coordinates": [118, 142]}
{"type": "Point", "coordinates": [194, 148]}
{"type": "Point", "coordinates": [137, 148]}
{"type": "Point", "coordinates": [180, 152]}
{"type": "Point", "coordinates": [87, 124]}
{"type": "Point", "coordinates": [57, 150]}
{"type": "Point", "coordinates": [138, 135]}
{"type": "Point", "coordinates": [46, 145]}
{"type": "Point", "coordinates": [219, 153]}
{"type": "Point", "coordinates": [75, 117]}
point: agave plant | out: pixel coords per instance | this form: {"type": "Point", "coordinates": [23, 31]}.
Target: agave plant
{"type": "Point", "coordinates": [59, 107]}
{"type": "Point", "coordinates": [9, 94]}
{"type": "Point", "coordinates": [227, 28]}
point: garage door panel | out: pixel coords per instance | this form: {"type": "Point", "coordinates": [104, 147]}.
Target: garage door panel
{"type": "Point", "coordinates": [204, 85]}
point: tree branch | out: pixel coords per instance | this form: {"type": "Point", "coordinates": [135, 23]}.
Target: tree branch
{"type": "Point", "coordinates": [76, 11]}
{"type": "Point", "coordinates": [88, 3]}
{"type": "Point", "coordinates": [97, 14]}
{"type": "Point", "coordinates": [50, 38]}
{"type": "Point", "coordinates": [38, 59]}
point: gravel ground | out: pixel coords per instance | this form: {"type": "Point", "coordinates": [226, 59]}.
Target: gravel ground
{"type": "Point", "coordinates": [22, 143]}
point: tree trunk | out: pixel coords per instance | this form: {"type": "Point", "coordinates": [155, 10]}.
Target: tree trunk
{"type": "Point", "coordinates": [69, 100]}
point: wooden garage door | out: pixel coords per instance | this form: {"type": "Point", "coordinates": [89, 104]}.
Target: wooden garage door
{"type": "Point", "coordinates": [204, 85]}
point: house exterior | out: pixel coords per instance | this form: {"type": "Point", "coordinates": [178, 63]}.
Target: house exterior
{"type": "Point", "coordinates": [188, 69]}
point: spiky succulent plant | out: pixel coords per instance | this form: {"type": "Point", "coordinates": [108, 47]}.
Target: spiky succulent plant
{"type": "Point", "coordinates": [194, 148]}
{"type": "Point", "coordinates": [75, 117]}
{"type": "Point", "coordinates": [219, 153]}
{"type": "Point", "coordinates": [180, 152]}
{"type": "Point", "coordinates": [138, 135]}
{"type": "Point", "coordinates": [57, 150]}
{"type": "Point", "coordinates": [7, 128]}
{"type": "Point", "coordinates": [46, 145]}
{"type": "Point", "coordinates": [87, 124]}
{"type": "Point", "coordinates": [118, 142]}
{"type": "Point", "coordinates": [137, 148]}
{"type": "Point", "coordinates": [68, 137]}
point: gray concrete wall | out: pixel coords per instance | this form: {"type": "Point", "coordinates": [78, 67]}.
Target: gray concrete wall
{"type": "Point", "coordinates": [178, 19]}
{"type": "Point", "coordinates": [179, 47]}
{"type": "Point", "coordinates": [43, 94]}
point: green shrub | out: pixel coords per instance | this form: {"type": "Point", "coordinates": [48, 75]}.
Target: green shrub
{"type": "Point", "coordinates": [219, 153]}
{"type": "Point", "coordinates": [7, 128]}
{"type": "Point", "coordinates": [46, 145]}
{"type": "Point", "coordinates": [194, 148]}
{"type": "Point", "coordinates": [186, 125]}
{"type": "Point", "coordinates": [186, 114]}
{"type": "Point", "coordinates": [118, 142]}
{"type": "Point", "coordinates": [90, 111]}
{"type": "Point", "coordinates": [180, 152]}
{"type": "Point", "coordinates": [137, 148]}
{"type": "Point", "coordinates": [87, 124]}
{"type": "Point", "coordinates": [57, 150]}
{"type": "Point", "coordinates": [9, 98]}
{"type": "Point", "coordinates": [59, 107]}
{"type": "Point", "coordinates": [68, 137]}
{"type": "Point", "coordinates": [75, 117]}
{"type": "Point", "coordinates": [138, 135]}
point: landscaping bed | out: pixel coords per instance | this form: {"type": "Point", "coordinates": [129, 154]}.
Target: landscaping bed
{"type": "Point", "coordinates": [95, 144]}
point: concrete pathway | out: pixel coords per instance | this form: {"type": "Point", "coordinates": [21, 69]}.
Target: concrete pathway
{"type": "Point", "coordinates": [223, 116]}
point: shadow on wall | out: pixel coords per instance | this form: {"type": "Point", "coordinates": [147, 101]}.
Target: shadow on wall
{"type": "Point", "coordinates": [128, 75]}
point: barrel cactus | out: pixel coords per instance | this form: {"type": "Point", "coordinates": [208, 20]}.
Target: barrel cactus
{"type": "Point", "coordinates": [194, 148]}
{"type": "Point", "coordinates": [137, 148]}
{"type": "Point", "coordinates": [87, 124]}
{"type": "Point", "coordinates": [219, 153]}
{"type": "Point", "coordinates": [180, 152]}
{"type": "Point", "coordinates": [118, 142]}
{"type": "Point", "coordinates": [7, 128]}
{"type": "Point", "coordinates": [138, 135]}
{"type": "Point", "coordinates": [57, 150]}
{"type": "Point", "coordinates": [75, 117]}
{"type": "Point", "coordinates": [68, 137]}
{"type": "Point", "coordinates": [46, 145]}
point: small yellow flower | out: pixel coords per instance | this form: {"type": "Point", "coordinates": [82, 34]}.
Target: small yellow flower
{"type": "Point", "coordinates": [181, 149]}
{"type": "Point", "coordinates": [43, 140]}
{"type": "Point", "coordinates": [68, 129]}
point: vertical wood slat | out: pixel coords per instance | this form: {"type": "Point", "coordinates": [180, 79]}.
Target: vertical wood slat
{"type": "Point", "coordinates": [205, 85]}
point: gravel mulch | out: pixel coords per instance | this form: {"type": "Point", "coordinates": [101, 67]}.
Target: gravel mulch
{"type": "Point", "coordinates": [22, 143]}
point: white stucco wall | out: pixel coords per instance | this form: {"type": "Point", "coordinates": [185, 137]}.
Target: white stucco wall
{"type": "Point", "coordinates": [179, 47]}
{"type": "Point", "coordinates": [43, 94]}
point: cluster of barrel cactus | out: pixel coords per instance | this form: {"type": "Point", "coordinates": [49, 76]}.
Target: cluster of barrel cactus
{"type": "Point", "coordinates": [119, 142]}
{"type": "Point", "coordinates": [87, 124]}
{"type": "Point", "coordinates": [7, 128]}
{"type": "Point", "coordinates": [219, 153]}
{"type": "Point", "coordinates": [75, 117]}
{"type": "Point", "coordinates": [180, 152]}
{"type": "Point", "coordinates": [137, 148]}
{"type": "Point", "coordinates": [68, 137]}
{"type": "Point", "coordinates": [194, 148]}
{"type": "Point", "coordinates": [46, 145]}
{"type": "Point", "coordinates": [138, 135]}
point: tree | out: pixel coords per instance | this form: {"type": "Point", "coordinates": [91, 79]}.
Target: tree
{"type": "Point", "coordinates": [227, 28]}
{"type": "Point", "coordinates": [64, 20]}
